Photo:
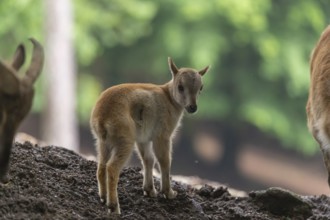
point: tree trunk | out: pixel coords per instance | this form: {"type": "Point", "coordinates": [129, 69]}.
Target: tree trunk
{"type": "Point", "coordinates": [59, 124]}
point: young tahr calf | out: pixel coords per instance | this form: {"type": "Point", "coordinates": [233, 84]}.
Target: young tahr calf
{"type": "Point", "coordinates": [145, 115]}
{"type": "Point", "coordinates": [16, 94]}
{"type": "Point", "coordinates": [318, 105]}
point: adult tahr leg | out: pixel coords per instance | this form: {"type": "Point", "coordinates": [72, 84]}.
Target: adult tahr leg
{"type": "Point", "coordinates": [5, 151]}
{"type": "Point", "coordinates": [147, 158]}
{"type": "Point", "coordinates": [120, 153]}
{"type": "Point", "coordinates": [103, 157]}
{"type": "Point", "coordinates": [322, 135]}
{"type": "Point", "coordinates": [4, 163]}
{"type": "Point", "coordinates": [326, 159]}
{"type": "Point", "coordinates": [163, 150]}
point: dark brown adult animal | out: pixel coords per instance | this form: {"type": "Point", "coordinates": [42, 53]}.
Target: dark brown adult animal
{"type": "Point", "coordinates": [16, 95]}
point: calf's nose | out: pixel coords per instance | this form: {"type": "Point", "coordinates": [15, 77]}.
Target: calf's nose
{"type": "Point", "coordinates": [192, 108]}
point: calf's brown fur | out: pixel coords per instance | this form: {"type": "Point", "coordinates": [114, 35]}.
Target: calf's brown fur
{"type": "Point", "coordinates": [16, 96]}
{"type": "Point", "coordinates": [145, 115]}
{"type": "Point", "coordinates": [318, 104]}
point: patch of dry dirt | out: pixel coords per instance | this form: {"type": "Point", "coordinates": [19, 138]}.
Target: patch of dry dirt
{"type": "Point", "coordinates": [55, 183]}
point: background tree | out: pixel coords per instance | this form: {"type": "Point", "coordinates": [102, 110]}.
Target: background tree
{"type": "Point", "coordinates": [59, 124]}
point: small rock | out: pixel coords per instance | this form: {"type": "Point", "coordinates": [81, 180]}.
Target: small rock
{"type": "Point", "coordinates": [282, 202]}
{"type": "Point", "coordinates": [196, 206]}
{"type": "Point", "coordinates": [206, 191]}
{"type": "Point", "coordinates": [218, 192]}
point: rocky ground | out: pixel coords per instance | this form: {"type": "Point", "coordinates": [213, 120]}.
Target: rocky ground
{"type": "Point", "coordinates": [55, 183]}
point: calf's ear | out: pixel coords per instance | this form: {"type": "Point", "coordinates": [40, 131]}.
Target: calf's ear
{"type": "Point", "coordinates": [203, 71]}
{"type": "Point", "coordinates": [174, 69]}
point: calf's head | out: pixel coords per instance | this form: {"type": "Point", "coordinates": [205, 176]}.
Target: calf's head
{"type": "Point", "coordinates": [187, 84]}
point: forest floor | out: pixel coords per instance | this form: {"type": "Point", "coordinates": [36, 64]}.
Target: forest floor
{"type": "Point", "coordinates": [55, 183]}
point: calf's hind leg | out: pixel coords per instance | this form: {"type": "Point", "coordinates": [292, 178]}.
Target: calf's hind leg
{"type": "Point", "coordinates": [103, 157]}
{"type": "Point", "coordinates": [120, 152]}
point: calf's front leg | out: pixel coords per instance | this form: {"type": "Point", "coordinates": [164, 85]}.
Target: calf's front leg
{"type": "Point", "coordinates": [163, 152]}
{"type": "Point", "coordinates": [147, 158]}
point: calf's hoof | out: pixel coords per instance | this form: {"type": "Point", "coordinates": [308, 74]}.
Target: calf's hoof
{"type": "Point", "coordinates": [171, 194]}
{"type": "Point", "coordinates": [150, 193]}
{"type": "Point", "coordinates": [114, 208]}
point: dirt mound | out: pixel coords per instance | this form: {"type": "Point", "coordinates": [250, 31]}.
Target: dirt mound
{"type": "Point", "coordinates": [55, 183]}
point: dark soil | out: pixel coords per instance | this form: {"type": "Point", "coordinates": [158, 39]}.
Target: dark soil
{"type": "Point", "coordinates": [55, 183]}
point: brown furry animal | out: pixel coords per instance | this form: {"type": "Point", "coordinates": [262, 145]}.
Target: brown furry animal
{"type": "Point", "coordinates": [318, 105]}
{"type": "Point", "coordinates": [145, 115]}
{"type": "Point", "coordinates": [16, 96]}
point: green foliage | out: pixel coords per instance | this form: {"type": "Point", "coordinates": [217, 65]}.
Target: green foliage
{"type": "Point", "coordinates": [101, 24]}
{"type": "Point", "coordinates": [88, 91]}
{"type": "Point", "coordinates": [19, 21]}
{"type": "Point", "coordinates": [258, 50]}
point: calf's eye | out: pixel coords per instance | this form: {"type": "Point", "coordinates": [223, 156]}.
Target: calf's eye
{"type": "Point", "coordinates": [180, 88]}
